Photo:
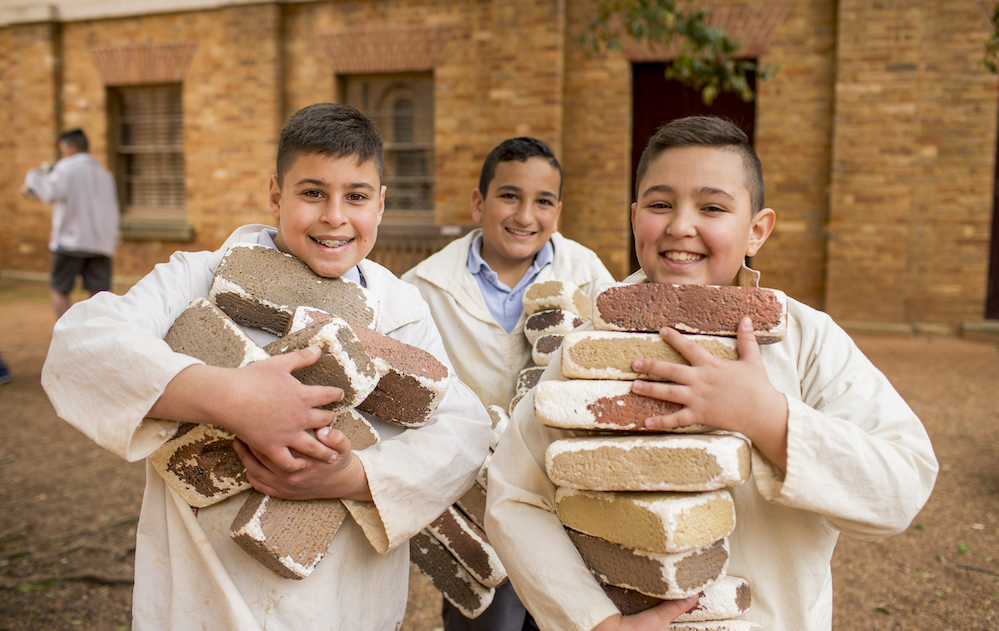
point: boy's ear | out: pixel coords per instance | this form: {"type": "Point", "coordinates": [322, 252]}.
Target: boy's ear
{"type": "Point", "coordinates": [476, 201]}
{"type": "Point", "coordinates": [274, 198]}
{"type": "Point", "coordinates": [381, 203]}
{"type": "Point", "coordinates": [760, 229]}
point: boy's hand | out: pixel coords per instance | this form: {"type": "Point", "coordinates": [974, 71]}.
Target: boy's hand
{"type": "Point", "coordinates": [262, 403]}
{"type": "Point", "coordinates": [279, 410]}
{"type": "Point", "coordinates": [729, 395]}
{"type": "Point", "coordinates": [343, 477]}
{"type": "Point", "coordinates": [655, 619]}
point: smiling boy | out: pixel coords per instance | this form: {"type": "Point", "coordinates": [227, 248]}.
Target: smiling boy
{"type": "Point", "coordinates": [109, 373]}
{"type": "Point", "coordinates": [475, 288]}
{"type": "Point", "coordinates": [475, 285]}
{"type": "Point", "coordinates": [835, 448]}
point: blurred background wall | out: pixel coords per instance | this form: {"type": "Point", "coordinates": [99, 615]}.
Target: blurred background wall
{"type": "Point", "coordinates": [877, 133]}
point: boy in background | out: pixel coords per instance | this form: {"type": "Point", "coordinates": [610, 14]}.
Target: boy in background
{"type": "Point", "coordinates": [475, 288]}
{"type": "Point", "coordinates": [110, 374]}
{"type": "Point", "coordinates": [835, 448]}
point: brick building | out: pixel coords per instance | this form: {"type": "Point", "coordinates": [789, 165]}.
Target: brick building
{"type": "Point", "coordinates": [877, 134]}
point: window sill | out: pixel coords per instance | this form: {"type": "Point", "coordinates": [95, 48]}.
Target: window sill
{"type": "Point", "coordinates": [162, 230]}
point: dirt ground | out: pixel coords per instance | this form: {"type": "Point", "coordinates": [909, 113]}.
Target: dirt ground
{"type": "Point", "coordinates": [68, 509]}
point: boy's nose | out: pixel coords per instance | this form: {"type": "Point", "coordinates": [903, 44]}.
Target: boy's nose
{"type": "Point", "coordinates": [333, 213]}
{"type": "Point", "coordinates": [524, 213]}
{"type": "Point", "coordinates": [681, 223]}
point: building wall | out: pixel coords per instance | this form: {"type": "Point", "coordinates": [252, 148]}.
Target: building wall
{"type": "Point", "coordinates": [28, 115]}
{"type": "Point", "coordinates": [794, 142]}
{"type": "Point", "coordinates": [913, 163]}
{"type": "Point", "coordinates": [500, 76]}
{"type": "Point", "coordinates": [596, 206]}
{"type": "Point", "coordinates": [877, 134]}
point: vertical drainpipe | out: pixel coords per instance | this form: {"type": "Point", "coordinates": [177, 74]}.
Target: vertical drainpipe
{"type": "Point", "coordinates": [280, 63]}
{"type": "Point", "coordinates": [55, 40]}
{"type": "Point", "coordinates": [560, 10]}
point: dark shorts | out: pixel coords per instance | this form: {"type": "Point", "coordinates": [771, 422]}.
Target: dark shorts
{"type": "Point", "coordinates": [506, 613]}
{"type": "Point", "coordinates": [95, 270]}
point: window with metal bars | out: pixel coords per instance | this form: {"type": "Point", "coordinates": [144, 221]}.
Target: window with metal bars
{"type": "Point", "coordinates": [147, 145]}
{"type": "Point", "coordinates": [402, 106]}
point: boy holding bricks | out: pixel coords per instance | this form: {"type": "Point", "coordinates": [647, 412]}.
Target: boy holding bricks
{"type": "Point", "coordinates": [111, 375]}
{"type": "Point", "coordinates": [476, 284]}
{"type": "Point", "coordinates": [475, 288]}
{"type": "Point", "coordinates": [835, 448]}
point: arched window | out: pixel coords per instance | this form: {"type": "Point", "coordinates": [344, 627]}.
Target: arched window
{"type": "Point", "coordinates": [402, 106]}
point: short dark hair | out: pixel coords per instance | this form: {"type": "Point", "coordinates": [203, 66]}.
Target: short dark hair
{"type": "Point", "coordinates": [519, 149]}
{"type": "Point", "coordinates": [706, 131]}
{"type": "Point", "coordinates": [77, 138]}
{"type": "Point", "coordinates": [329, 129]}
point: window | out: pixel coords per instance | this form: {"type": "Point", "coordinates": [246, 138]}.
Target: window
{"type": "Point", "coordinates": [402, 106]}
{"type": "Point", "coordinates": [147, 145]}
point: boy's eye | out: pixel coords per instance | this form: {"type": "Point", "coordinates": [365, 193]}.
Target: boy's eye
{"type": "Point", "coordinates": [312, 193]}
{"type": "Point", "coordinates": [714, 209]}
{"type": "Point", "coordinates": [356, 197]}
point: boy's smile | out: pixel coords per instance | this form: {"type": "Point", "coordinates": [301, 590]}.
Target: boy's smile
{"type": "Point", "coordinates": [328, 211]}
{"type": "Point", "coordinates": [518, 214]}
{"type": "Point", "coordinates": [693, 220]}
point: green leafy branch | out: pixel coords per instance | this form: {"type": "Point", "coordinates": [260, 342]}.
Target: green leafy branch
{"type": "Point", "coordinates": [704, 54]}
{"type": "Point", "coordinates": [991, 60]}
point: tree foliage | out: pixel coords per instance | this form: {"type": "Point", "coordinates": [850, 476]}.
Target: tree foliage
{"type": "Point", "coordinates": [703, 58]}
{"type": "Point", "coordinates": [992, 44]}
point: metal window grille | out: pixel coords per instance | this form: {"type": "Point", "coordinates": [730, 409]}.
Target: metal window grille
{"type": "Point", "coordinates": [402, 106]}
{"type": "Point", "coordinates": [148, 144]}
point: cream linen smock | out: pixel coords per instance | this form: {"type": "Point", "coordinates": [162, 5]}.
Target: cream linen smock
{"type": "Point", "coordinates": [106, 367]}
{"type": "Point", "coordinates": [858, 462]}
{"type": "Point", "coordinates": [485, 356]}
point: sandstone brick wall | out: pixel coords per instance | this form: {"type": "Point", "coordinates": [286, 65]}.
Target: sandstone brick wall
{"type": "Point", "coordinates": [913, 162]}
{"type": "Point", "coordinates": [27, 113]}
{"type": "Point", "coordinates": [231, 121]}
{"type": "Point", "coordinates": [877, 134]}
{"type": "Point", "coordinates": [793, 139]}
{"type": "Point", "coordinates": [596, 206]}
{"type": "Point", "coordinates": [500, 75]}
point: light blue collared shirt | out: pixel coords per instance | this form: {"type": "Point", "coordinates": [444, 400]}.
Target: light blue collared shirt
{"type": "Point", "coordinates": [353, 274]}
{"type": "Point", "coordinates": [505, 304]}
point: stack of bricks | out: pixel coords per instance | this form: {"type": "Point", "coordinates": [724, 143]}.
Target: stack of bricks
{"type": "Point", "coordinates": [262, 288]}
{"type": "Point", "coordinates": [553, 308]}
{"type": "Point", "coordinates": [454, 552]}
{"type": "Point", "coordinates": [650, 512]}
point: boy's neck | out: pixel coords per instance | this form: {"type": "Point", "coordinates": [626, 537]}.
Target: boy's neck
{"type": "Point", "coordinates": [509, 273]}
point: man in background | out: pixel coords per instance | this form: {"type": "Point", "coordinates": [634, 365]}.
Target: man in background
{"type": "Point", "coordinates": [85, 216]}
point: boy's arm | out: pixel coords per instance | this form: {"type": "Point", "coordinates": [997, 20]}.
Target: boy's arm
{"type": "Point", "coordinates": [417, 474]}
{"type": "Point", "coordinates": [108, 366]}
{"type": "Point", "coordinates": [542, 563]}
{"type": "Point", "coordinates": [342, 477]}
{"type": "Point", "coordinates": [853, 450]}
{"type": "Point", "coordinates": [729, 395]}
{"type": "Point", "coordinates": [262, 403]}
{"type": "Point", "coordinates": [546, 570]}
